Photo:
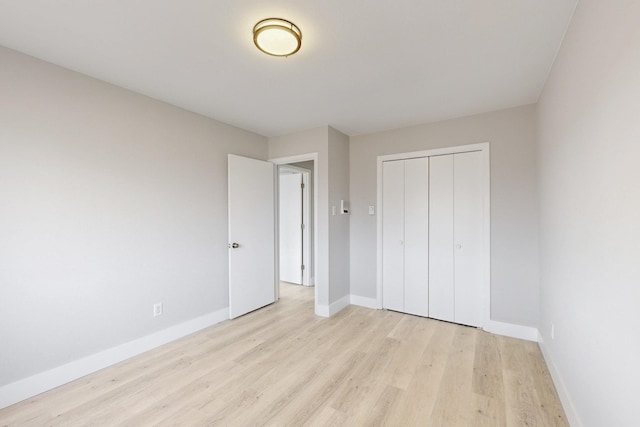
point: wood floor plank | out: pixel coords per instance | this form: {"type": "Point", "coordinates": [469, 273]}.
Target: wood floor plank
{"type": "Point", "coordinates": [282, 365]}
{"type": "Point", "coordinates": [313, 399]}
{"type": "Point", "coordinates": [487, 411]}
{"type": "Point", "coordinates": [523, 392]}
{"type": "Point", "coordinates": [380, 413]}
{"type": "Point", "coordinates": [487, 370]}
{"type": "Point", "coordinates": [401, 370]}
{"type": "Point", "coordinates": [550, 407]}
{"type": "Point", "coordinates": [453, 403]}
{"type": "Point", "coordinates": [422, 391]}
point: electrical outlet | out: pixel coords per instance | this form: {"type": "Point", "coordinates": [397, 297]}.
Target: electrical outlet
{"type": "Point", "coordinates": [157, 309]}
{"type": "Point", "coordinates": [553, 331]}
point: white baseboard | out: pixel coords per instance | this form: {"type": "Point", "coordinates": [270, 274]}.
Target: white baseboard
{"type": "Point", "coordinates": [339, 305]}
{"type": "Point", "coordinates": [500, 328]}
{"type": "Point", "coordinates": [364, 301]}
{"type": "Point", "coordinates": [322, 310]}
{"type": "Point", "coordinates": [561, 388]}
{"type": "Point", "coordinates": [333, 308]}
{"type": "Point", "coordinates": [507, 329]}
{"type": "Point", "coordinates": [514, 331]}
{"type": "Point", "coordinates": [39, 383]}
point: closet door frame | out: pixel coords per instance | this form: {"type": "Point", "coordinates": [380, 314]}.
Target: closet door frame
{"type": "Point", "coordinates": [486, 229]}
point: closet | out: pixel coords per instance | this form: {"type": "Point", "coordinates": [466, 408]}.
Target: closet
{"type": "Point", "coordinates": [433, 236]}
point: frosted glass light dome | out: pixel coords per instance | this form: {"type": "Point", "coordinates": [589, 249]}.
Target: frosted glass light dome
{"type": "Point", "coordinates": [277, 37]}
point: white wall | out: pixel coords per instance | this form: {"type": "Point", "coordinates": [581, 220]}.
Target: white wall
{"type": "Point", "coordinates": [514, 216]}
{"type": "Point", "coordinates": [590, 214]}
{"type": "Point", "coordinates": [109, 203]}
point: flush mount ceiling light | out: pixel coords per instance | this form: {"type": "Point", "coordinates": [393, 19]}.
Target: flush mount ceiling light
{"type": "Point", "coordinates": [277, 37]}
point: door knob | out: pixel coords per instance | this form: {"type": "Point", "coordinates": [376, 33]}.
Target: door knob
{"type": "Point", "coordinates": [234, 245]}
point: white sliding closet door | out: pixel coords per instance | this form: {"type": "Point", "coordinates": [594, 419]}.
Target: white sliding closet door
{"type": "Point", "coordinates": [416, 236]}
{"type": "Point", "coordinates": [468, 226]}
{"type": "Point", "coordinates": [441, 246]}
{"type": "Point", "coordinates": [393, 235]}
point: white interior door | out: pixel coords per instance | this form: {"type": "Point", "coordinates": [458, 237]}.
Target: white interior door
{"type": "Point", "coordinates": [291, 257]}
{"type": "Point", "coordinates": [251, 234]}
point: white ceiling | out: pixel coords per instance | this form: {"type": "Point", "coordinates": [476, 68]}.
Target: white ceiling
{"type": "Point", "coordinates": [364, 66]}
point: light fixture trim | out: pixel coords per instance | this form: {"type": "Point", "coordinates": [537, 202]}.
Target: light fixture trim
{"type": "Point", "coordinates": [284, 27]}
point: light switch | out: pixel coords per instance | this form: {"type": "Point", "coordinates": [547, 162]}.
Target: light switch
{"type": "Point", "coordinates": [333, 210]}
{"type": "Point", "coordinates": [372, 210]}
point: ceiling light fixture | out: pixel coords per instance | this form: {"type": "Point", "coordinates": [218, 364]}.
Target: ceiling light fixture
{"type": "Point", "coordinates": [277, 37]}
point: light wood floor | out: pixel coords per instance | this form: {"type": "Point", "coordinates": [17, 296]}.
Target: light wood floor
{"type": "Point", "coordinates": [284, 366]}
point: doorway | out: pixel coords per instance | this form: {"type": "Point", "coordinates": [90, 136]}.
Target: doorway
{"type": "Point", "coordinates": [295, 223]}
{"type": "Point", "coordinates": [308, 162]}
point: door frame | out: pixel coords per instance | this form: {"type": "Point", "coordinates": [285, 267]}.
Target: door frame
{"type": "Point", "coordinates": [486, 237]}
{"type": "Point", "coordinates": [296, 159]}
{"type": "Point", "coordinates": [307, 278]}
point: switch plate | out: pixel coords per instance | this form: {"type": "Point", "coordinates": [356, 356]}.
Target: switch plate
{"type": "Point", "coordinates": [157, 309]}
{"type": "Point", "coordinates": [344, 207]}
{"type": "Point", "coordinates": [372, 210]}
{"type": "Point", "coordinates": [333, 210]}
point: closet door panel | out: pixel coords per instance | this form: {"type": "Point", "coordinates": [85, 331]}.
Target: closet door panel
{"type": "Point", "coordinates": [393, 235]}
{"type": "Point", "coordinates": [468, 223]}
{"type": "Point", "coordinates": [416, 235]}
{"type": "Point", "coordinates": [441, 246]}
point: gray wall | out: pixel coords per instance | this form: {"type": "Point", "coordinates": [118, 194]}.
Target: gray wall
{"type": "Point", "coordinates": [514, 217]}
{"type": "Point", "coordinates": [109, 202]}
{"type": "Point", "coordinates": [339, 237]}
{"type": "Point", "coordinates": [590, 214]}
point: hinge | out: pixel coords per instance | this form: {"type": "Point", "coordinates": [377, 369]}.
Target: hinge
{"type": "Point", "coordinates": [302, 226]}
{"type": "Point", "coordinates": [302, 185]}
{"type": "Point", "coordinates": [302, 267]}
